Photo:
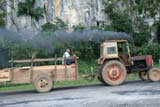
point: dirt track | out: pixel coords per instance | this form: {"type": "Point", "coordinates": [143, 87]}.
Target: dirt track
{"type": "Point", "coordinates": [130, 94]}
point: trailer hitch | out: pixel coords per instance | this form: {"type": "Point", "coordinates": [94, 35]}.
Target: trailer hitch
{"type": "Point", "coordinates": [91, 76]}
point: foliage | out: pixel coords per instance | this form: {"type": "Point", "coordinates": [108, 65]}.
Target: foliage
{"type": "Point", "coordinates": [57, 24]}
{"type": "Point", "coordinates": [79, 27]}
{"type": "Point", "coordinates": [85, 50]}
{"type": "Point", "coordinates": [139, 37]}
{"type": "Point", "coordinates": [150, 50]}
{"type": "Point", "coordinates": [49, 27]}
{"type": "Point", "coordinates": [27, 8]}
{"type": "Point", "coordinates": [2, 21]}
{"type": "Point", "coordinates": [60, 23]}
{"type": "Point", "coordinates": [158, 32]}
{"type": "Point", "coordinates": [2, 13]}
{"type": "Point", "coordinates": [121, 23]}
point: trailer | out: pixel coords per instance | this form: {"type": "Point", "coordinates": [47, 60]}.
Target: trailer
{"type": "Point", "coordinates": [42, 77]}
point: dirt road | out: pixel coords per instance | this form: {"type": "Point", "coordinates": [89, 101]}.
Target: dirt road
{"type": "Point", "coordinates": [130, 94]}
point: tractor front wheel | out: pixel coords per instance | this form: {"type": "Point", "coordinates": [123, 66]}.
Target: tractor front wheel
{"type": "Point", "coordinates": [154, 74]}
{"type": "Point", "coordinates": [143, 75]}
{"type": "Point", "coordinates": [114, 73]}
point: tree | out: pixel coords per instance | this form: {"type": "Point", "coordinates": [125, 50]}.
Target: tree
{"type": "Point", "coordinates": [27, 8]}
{"type": "Point", "coordinates": [2, 21]}
{"type": "Point", "coordinates": [2, 13]}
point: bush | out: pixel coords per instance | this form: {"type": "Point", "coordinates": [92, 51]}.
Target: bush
{"type": "Point", "coordinates": [78, 27]}
{"type": "Point", "coordinates": [158, 33]}
{"type": "Point", "coordinates": [150, 50]}
{"type": "Point", "coordinates": [121, 22]}
{"type": "Point", "coordinates": [27, 8]}
{"type": "Point", "coordinates": [141, 38]}
{"type": "Point", "coordinates": [51, 27]}
{"type": "Point", "coordinates": [2, 21]}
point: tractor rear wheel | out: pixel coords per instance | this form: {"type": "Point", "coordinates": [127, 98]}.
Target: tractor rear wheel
{"type": "Point", "coordinates": [143, 75]}
{"type": "Point", "coordinates": [101, 80]}
{"type": "Point", "coordinates": [154, 74]}
{"type": "Point", "coordinates": [100, 75]}
{"type": "Point", "coordinates": [43, 83]}
{"type": "Point", "coordinates": [114, 73]}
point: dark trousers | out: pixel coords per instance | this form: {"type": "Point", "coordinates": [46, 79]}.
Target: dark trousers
{"type": "Point", "coordinates": [69, 61]}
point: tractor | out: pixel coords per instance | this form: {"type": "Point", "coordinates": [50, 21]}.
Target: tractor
{"type": "Point", "coordinates": [116, 62]}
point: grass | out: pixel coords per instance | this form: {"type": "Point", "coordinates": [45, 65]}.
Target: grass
{"type": "Point", "coordinates": [11, 87]}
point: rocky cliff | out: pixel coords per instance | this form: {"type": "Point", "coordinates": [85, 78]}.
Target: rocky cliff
{"type": "Point", "coordinates": [72, 12]}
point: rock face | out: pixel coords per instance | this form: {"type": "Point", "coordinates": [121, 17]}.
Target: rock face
{"type": "Point", "coordinates": [72, 12]}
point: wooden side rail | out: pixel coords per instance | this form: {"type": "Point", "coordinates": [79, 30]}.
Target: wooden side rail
{"type": "Point", "coordinates": [36, 60]}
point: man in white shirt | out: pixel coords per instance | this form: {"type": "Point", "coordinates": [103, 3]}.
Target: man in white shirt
{"type": "Point", "coordinates": [67, 57]}
{"type": "Point", "coordinates": [66, 54]}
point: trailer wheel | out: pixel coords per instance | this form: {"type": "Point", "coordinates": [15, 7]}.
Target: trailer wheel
{"type": "Point", "coordinates": [114, 73]}
{"type": "Point", "coordinates": [154, 74]}
{"type": "Point", "coordinates": [143, 75]}
{"type": "Point", "coordinates": [43, 83]}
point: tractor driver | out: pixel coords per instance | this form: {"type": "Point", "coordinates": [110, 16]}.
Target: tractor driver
{"type": "Point", "coordinates": [67, 57]}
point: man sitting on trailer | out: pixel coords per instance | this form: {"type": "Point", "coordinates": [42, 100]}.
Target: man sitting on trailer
{"type": "Point", "coordinates": [67, 57]}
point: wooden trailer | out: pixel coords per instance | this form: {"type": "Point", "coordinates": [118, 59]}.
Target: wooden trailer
{"type": "Point", "coordinates": [42, 77]}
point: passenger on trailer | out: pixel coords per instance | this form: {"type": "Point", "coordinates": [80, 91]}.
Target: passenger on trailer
{"type": "Point", "coordinates": [67, 57]}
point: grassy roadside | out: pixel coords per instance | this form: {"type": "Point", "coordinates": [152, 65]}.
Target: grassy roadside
{"type": "Point", "coordinates": [56, 85]}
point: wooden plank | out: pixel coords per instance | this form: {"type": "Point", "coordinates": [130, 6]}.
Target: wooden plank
{"type": "Point", "coordinates": [55, 64]}
{"type": "Point", "coordinates": [31, 70]}
{"type": "Point", "coordinates": [65, 69]}
{"type": "Point", "coordinates": [36, 60]}
{"type": "Point", "coordinates": [21, 76]}
{"type": "Point", "coordinates": [4, 76]}
{"type": "Point", "coordinates": [76, 70]}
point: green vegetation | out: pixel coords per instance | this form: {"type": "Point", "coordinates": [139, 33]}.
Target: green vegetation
{"type": "Point", "coordinates": [2, 13]}
{"type": "Point", "coordinates": [2, 21]}
{"type": "Point", "coordinates": [51, 27]}
{"type": "Point", "coordinates": [27, 8]}
{"type": "Point", "coordinates": [79, 27]}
